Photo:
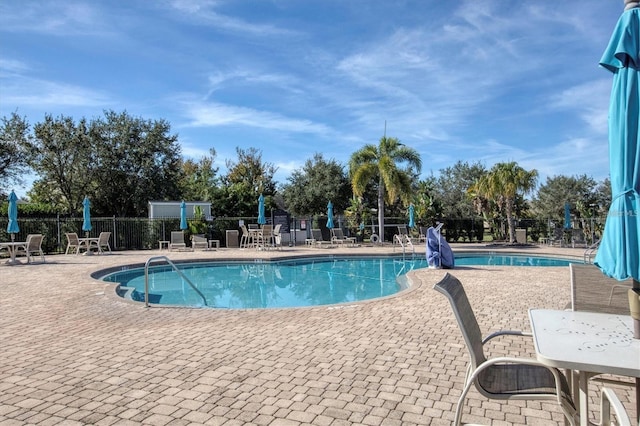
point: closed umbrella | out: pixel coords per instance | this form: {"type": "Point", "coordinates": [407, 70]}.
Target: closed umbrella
{"type": "Point", "coordinates": [618, 255]}
{"type": "Point", "coordinates": [567, 216]}
{"type": "Point", "coordinates": [330, 215]}
{"type": "Point", "coordinates": [261, 218]}
{"type": "Point", "coordinates": [12, 227]}
{"type": "Point", "coordinates": [183, 215]}
{"type": "Point", "coordinates": [411, 214]}
{"type": "Point", "coordinates": [86, 215]}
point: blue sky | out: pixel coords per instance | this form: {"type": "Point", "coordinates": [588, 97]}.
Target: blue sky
{"type": "Point", "coordinates": [479, 80]}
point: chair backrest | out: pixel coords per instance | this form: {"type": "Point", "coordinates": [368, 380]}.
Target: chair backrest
{"type": "Point", "coordinates": [267, 229]}
{"type": "Point", "coordinates": [199, 238]}
{"type": "Point", "coordinates": [276, 229]}
{"type": "Point", "coordinates": [244, 229]}
{"type": "Point", "coordinates": [402, 230]}
{"type": "Point", "coordinates": [337, 233]}
{"type": "Point", "coordinates": [177, 237]}
{"type": "Point", "coordinates": [34, 241]}
{"type": "Point", "coordinates": [593, 291]}
{"type": "Point", "coordinates": [451, 287]}
{"type": "Point", "coordinates": [316, 234]}
{"type": "Point", "coordinates": [72, 238]}
{"type": "Point", "coordinates": [103, 238]}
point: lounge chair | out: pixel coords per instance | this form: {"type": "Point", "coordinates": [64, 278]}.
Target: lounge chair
{"type": "Point", "coordinates": [177, 241]}
{"type": "Point", "coordinates": [103, 242]}
{"type": "Point", "coordinates": [318, 240]}
{"type": "Point", "coordinates": [32, 245]}
{"type": "Point", "coordinates": [503, 377]}
{"type": "Point", "coordinates": [338, 237]}
{"type": "Point", "coordinates": [199, 241]}
{"type": "Point", "coordinates": [73, 242]}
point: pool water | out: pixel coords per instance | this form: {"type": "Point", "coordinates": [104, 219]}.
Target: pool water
{"type": "Point", "coordinates": [289, 283]}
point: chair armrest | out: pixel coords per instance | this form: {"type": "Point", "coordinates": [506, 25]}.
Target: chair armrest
{"type": "Point", "coordinates": [610, 401]}
{"type": "Point", "coordinates": [506, 333]}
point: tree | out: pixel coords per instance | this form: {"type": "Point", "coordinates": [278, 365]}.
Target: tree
{"type": "Point", "coordinates": [452, 185]}
{"type": "Point", "coordinates": [502, 185]}
{"type": "Point", "coordinates": [548, 204]}
{"type": "Point", "coordinates": [14, 136]}
{"type": "Point", "coordinates": [314, 185]}
{"type": "Point", "coordinates": [246, 179]}
{"type": "Point", "coordinates": [383, 163]}
{"type": "Point", "coordinates": [199, 179]}
{"type": "Point", "coordinates": [61, 153]}
{"type": "Point", "coordinates": [139, 159]}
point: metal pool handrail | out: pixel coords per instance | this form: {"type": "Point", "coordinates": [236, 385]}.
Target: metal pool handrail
{"type": "Point", "coordinates": [175, 268]}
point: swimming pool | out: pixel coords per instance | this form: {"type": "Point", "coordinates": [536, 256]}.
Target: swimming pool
{"type": "Point", "coordinates": [289, 283]}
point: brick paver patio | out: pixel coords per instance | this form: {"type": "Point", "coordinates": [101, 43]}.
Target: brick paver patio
{"type": "Point", "coordinates": [72, 352]}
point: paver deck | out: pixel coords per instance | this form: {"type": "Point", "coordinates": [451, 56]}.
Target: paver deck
{"type": "Point", "coordinates": [71, 352]}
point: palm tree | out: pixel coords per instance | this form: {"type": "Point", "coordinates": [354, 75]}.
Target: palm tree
{"type": "Point", "coordinates": [502, 184]}
{"type": "Point", "coordinates": [382, 164]}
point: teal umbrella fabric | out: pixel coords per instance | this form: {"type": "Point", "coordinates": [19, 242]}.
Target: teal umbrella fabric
{"type": "Point", "coordinates": [183, 215]}
{"type": "Point", "coordinates": [330, 215]}
{"type": "Point", "coordinates": [261, 218]}
{"type": "Point", "coordinates": [12, 211]}
{"type": "Point", "coordinates": [618, 255]}
{"type": "Point", "coordinates": [567, 216]}
{"type": "Point", "coordinates": [86, 215]}
{"type": "Point", "coordinates": [412, 222]}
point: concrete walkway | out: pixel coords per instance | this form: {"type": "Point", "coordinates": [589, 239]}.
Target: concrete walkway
{"type": "Point", "coordinates": [71, 352]}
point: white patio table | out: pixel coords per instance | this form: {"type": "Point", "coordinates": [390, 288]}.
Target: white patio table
{"type": "Point", "coordinates": [12, 248]}
{"type": "Point", "coordinates": [586, 342]}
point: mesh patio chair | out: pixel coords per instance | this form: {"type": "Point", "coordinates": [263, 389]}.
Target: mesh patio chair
{"type": "Point", "coordinates": [502, 377]}
{"type": "Point", "coordinates": [199, 241]}
{"type": "Point", "coordinates": [32, 245]}
{"type": "Point", "coordinates": [103, 242]}
{"type": "Point", "coordinates": [73, 242]}
{"type": "Point", "coordinates": [177, 241]}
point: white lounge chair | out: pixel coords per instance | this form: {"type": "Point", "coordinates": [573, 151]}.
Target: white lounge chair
{"type": "Point", "coordinates": [318, 240]}
{"type": "Point", "coordinates": [338, 237]}
{"type": "Point", "coordinates": [177, 241]}
{"type": "Point", "coordinates": [199, 241]}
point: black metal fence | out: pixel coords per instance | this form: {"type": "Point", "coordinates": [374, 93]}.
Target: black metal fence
{"type": "Point", "coordinates": [144, 233]}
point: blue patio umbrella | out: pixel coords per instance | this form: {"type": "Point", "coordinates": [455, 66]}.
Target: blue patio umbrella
{"type": "Point", "coordinates": [411, 214]}
{"type": "Point", "coordinates": [183, 215]}
{"type": "Point", "coordinates": [12, 226]}
{"type": "Point", "coordinates": [261, 218]}
{"type": "Point", "coordinates": [618, 255]}
{"type": "Point", "coordinates": [567, 216]}
{"type": "Point", "coordinates": [86, 215]}
{"type": "Point", "coordinates": [330, 215]}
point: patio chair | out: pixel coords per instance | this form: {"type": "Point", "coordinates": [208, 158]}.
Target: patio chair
{"type": "Point", "coordinates": [591, 290]}
{"type": "Point", "coordinates": [32, 245]}
{"type": "Point", "coordinates": [177, 241]}
{"type": "Point", "coordinates": [277, 237]}
{"type": "Point", "coordinates": [338, 237]}
{"type": "Point", "coordinates": [403, 239]}
{"type": "Point", "coordinates": [502, 377]}
{"type": "Point", "coordinates": [246, 239]}
{"type": "Point", "coordinates": [73, 242]}
{"type": "Point", "coordinates": [609, 402]}
{"type": "Point", "coordinates": [199, 241]}
{"type": "Point", "coordinates": [103, 242]}
{"type": "Point", "coordinates": [318, 239]}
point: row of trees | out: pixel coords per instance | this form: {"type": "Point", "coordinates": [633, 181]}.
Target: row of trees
{"type": "Point", "coordinates": [123, 162]}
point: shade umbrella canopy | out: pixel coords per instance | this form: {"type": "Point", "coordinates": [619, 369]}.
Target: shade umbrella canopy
{"type": "Point", "coordinates": [330, 215]}
{"type": "Point", "coordinates": [411, 214]}
{"type": "Point", "coordinates": [618, 255]}
{"type": "Point", "coordinates": [86, 215]}
{"type": "Point", "coordinates": [261, 218]}
{"type": "Point", "coordinates": [12, 226]}
{"type": "Point", "coordinates": [183, 215]}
